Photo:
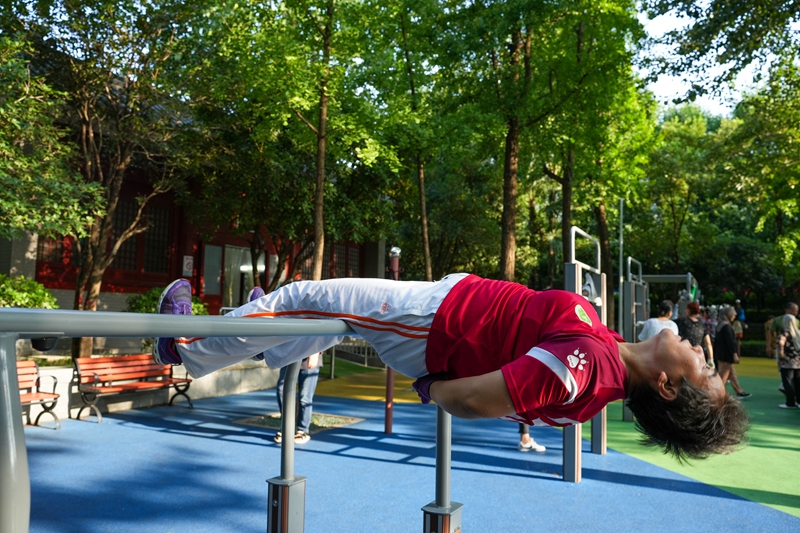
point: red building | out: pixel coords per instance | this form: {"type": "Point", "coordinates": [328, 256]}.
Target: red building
{"type": "Point", "coordinates": [219, 268]}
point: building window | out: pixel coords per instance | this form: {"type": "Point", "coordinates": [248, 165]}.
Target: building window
{"type": "Point", "coordinates": [126, 256]}
{"type": "Point", "coordinates": [50, 250]}
{"type": "Point", "coordinates": [156, 242]}
{"type": "Point", "coordinates": [339, 261]}
{"type": "Point", "coordinates": [353, 262]}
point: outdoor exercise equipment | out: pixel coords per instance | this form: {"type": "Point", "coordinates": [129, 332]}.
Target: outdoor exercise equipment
{"type": "Point", "coordinates": [582, 278]}
{"type": "Point", "coordinates": [287, 492]}
{"type": "Point", "coordinates": [634, 309]}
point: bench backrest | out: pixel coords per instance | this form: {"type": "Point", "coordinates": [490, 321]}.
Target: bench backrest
{"type": "Point", "coordinates": [119, 368]}
{"type": "Point", "coordinates": [27, 375]}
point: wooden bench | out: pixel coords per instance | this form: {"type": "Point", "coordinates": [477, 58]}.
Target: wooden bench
{"type": "Point", "coordinates": [30, 392]}
{"type": "Point", "coordinates": [101, 376]}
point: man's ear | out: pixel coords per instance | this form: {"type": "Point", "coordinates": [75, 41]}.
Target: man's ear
{"type": "Point", "coordinates": [665, 388]}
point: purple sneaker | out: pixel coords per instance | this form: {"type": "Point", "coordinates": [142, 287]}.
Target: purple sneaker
{"type": "Point", "coordinates": [175, 300]}
{"type": "Point", "coordinates": [254, 294]}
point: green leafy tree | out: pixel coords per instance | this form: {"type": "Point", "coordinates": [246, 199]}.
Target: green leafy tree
{"type": "Point", "coordinates": [40, 191]}
{"type": "Point", "coordinates": [108, 57]}
{"type": "Point", "coordinates": [732, 35]}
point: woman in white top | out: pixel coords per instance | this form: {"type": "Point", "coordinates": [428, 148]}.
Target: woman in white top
{"type": "Point", "coordinates": [653, 325]}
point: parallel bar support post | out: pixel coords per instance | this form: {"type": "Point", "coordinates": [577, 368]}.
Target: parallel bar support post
{"type": "Point", "coordinates": [442, 515]}
{"type": "Point", "coordinates": [15, 483]}
{"type": "Point", "coordinates": [599, 433]}
{"type": "Point", "coordinates": [286, 498]}
{"type": "Point", "coordinates": [389, 413]}
{"type": "Point", "coordinates": [572, 454]}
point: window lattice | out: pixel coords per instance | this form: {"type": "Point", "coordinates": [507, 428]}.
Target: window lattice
{"type": "Point", "coordinates": [126, 256]}
{"type": "Point", "coordinates": [156, 242]}
{"type": "Point", "coordinates": [354, 262]}
{"type": "Point", "coordinates": [339, 260]}
{"type": "Point", "coordinates": [49, 250]}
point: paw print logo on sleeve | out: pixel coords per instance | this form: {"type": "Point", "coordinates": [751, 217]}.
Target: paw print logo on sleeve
{"type": "Point", "coordinates": [577, 359]}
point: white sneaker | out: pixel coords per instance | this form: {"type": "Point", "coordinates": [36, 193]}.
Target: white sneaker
{"type": "Point", "coordinates": [301, 438]}
{"type": "Point", "coordinates": [784, 406]}
{"type": "Point", "coordinates": [530, 445]}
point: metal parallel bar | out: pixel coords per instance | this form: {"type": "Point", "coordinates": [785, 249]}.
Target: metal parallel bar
{"type": "Point", "coordinates": [15, 483]}
{"type": "Point", "coordinates": [44, 323]}
{"type": "Point", "coordinates": [57, 323]}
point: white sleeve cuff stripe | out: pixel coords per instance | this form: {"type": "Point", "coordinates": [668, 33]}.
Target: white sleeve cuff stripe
{"type": "Point", "coordinates": [559, 369]}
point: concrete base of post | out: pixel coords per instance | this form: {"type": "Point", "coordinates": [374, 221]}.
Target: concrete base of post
{"type": "Point", "coordinates": [286, 503]}
{"type": "Point", "coordinates": [442, 519]}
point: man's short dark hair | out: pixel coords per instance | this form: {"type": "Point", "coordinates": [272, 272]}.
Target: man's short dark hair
{"type": "Point", "coordinates": [693, 425]}
{"type": "Point", "coordinates": [789, 306]}
{"type": "Point", "coordinates": [665, 308]}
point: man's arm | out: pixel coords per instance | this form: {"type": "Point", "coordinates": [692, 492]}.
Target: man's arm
{"type": "Point", "coordinates": [483, 396]}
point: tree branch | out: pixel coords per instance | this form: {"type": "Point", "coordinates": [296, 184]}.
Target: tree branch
{"type": "Point", "coordinates": [306, 122]}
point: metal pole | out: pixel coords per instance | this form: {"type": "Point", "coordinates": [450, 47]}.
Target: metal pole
{"type": "Point", "coordinates": [388, 417]}
{"type": "Point", "coordinates": [442, 515]}
{"type": "Point", "coordinates": [286, 495]}
{"type": "Point", "coordinates": [621, 278]}
{"type": "Point", "coordinates": [444, 433]}
{"type": "Point", "coordinates": [15, 483]}
{"type": "Point", "coordinates": [288, 420]}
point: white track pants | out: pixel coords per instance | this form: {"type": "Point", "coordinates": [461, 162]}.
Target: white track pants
{"type": "Point", "coordinates": [394, 316]}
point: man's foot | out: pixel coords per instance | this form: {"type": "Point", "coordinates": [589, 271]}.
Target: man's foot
{"type": "Point", "coordinates": [175, 300]}
{"type": "Point", "coordinates": [784, 406]}
{"type": "Point", "coordinates": [278, 437]}
{"type": "Point", "coordinates": [743, 394]}
{"type": "Point", "coordinates": [254, 294]}
{"type": "Point", "coordinates": [530, 445]}
{"type": "Point", "coordinates": [301, 437]}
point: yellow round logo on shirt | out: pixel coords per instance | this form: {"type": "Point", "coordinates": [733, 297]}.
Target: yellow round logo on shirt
{"type": "Point", "coordinates": [582, 315]}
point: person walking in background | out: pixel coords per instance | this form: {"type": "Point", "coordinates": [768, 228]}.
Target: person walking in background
{"type": "Point", "coordinates": [664, 321]}
{"type": "Point", "coordinates": [789, 361]}
{"type": "Point", "coordinates": [526, 442]}
{"type": "Point", "coordinates": [306, 385]}
{"type": "Point", "coordinates": [776, 329]}
{"type": "Point", "coordinates": [692, 328]}
{"type": "Point", "coordinates": [725, 353]}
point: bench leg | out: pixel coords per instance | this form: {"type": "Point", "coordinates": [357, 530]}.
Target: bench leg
{"type": "Point", "coordinates": [91, 405]}
{"type": "Point", "coordinates": [49, 410]}
{"type": "Point", "coordinates": [181, 391]}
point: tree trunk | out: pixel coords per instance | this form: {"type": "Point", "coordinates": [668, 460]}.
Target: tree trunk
{"type": "Point", "coordinates": [566, 206]}
{"type": "Point", "coordinates": [508, 243]}
{"type": "Point", "coordinates": [605, 260]}
{"type": "Point", "coordinates": [423, 215]}
{"type": "Point", "coordinates": [551, 251]}
{"type": "Point", "coordinates": [322, 131]}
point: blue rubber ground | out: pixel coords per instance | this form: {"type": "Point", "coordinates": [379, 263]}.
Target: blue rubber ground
{"type": "Point", "coordinates": [173, 469]}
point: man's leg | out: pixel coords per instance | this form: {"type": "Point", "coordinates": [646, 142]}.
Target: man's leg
{"type": "Point", "coordinates": [526, 442]}
{"type": "Point", "coordinates": [307, 384]}
{"type": "Point", "coordinates": [787, 377]}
